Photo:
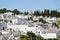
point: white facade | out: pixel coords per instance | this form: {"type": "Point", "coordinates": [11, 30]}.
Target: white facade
{"type": "Point", "coordinates": [14, 21]}
{"type": "Point", "coordinates": [51, 20]}
{"type": "Point", "coordinates": [23, 16]}
{"type": "Point", "coordinates": [36, 17]}
{"type": "Point", "coordinates": [19, 27]}
{"type": "Point", "coordinates": [1, 16]}
{"type": "Point", "coordinates": [24, 29]}
{"type": "Point", "coordinates": [7, 15]}
{"type": "Point", "coordinates": [48, 35]}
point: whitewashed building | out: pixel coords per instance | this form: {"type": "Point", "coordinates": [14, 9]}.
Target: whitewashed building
{"type": "Point", "coordinates": [7, 15]}
{"type": "Point", "coordinates": [52, 20]}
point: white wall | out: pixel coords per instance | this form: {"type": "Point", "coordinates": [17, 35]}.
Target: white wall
{"type": "Point", "coordinates": [20, 27]}
{"type": "Point", "coordinates": [23, 28]}
{"type": "Point", "coordinates": [48, 35]}
{"type": "Point", "coordinates": [14, 21]}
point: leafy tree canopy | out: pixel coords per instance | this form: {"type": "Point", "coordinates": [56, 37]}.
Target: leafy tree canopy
{"type": "Point", "coordinates": [46, 12]}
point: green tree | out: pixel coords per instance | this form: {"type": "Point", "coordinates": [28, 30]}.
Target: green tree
{"type": "Point", "coordinates": [9, 10]}
{"type": "Point", "coordinates": [30, 18]}
{"type": "Point", "coordinates": [0, 11]}
{"type": "Point", "coordinates": [59, 22]}
{"type": "Point", "coordinates": [24, 37]}
{"type": "Point", "coordinates": [15, 11]}
{"type": "Point", "coordinates": [46, 12]}
{"type": "Point", "coordinates": [26, 13]}
{"type": "Point", "coordinates": [54, 13]}
{"type": "Point", "coordinates": [31, 35]}
{"type": "Point", "coordinates": [59, 37]}
{"type": "Point", "coordinates": [37, 13]}
{"type": "Point", "coordinates": [4, 10]}
{"type": "Point", "coordinates": [41, 20]}
{"type": "Point", "coordinates": [40, 38]}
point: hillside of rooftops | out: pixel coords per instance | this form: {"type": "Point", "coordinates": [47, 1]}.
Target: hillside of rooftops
{"type": "Point", "coordinates": [29, 17]}
{"type": "Point", "coordinates": [44, 21]}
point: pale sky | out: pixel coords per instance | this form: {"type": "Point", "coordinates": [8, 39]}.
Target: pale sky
{"type": "Point", "coordinates": [24, 5]}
